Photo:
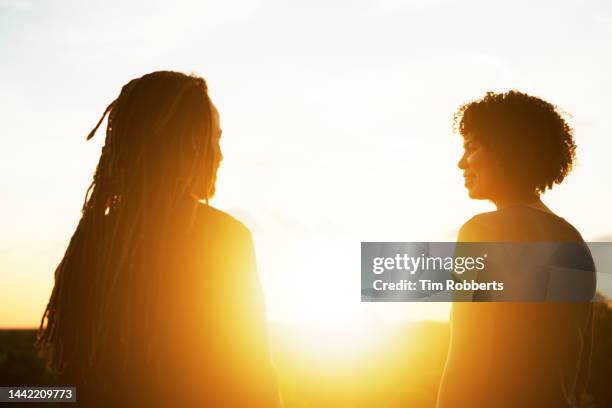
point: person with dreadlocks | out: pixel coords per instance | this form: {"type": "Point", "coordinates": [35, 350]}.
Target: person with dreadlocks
{"type": "Point", "coordinates": [157, 301]}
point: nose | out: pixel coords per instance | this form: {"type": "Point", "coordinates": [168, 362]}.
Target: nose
{"type": "Point", "coordinates": [462, 164]}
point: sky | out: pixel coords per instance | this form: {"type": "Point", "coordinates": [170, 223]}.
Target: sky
{"type": "Point", "coordinates": [336, 120]}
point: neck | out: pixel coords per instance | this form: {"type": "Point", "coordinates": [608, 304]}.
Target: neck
{"type": "Point", "coordinates": [534, 202]}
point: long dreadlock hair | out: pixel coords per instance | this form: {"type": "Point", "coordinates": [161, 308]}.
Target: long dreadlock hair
{"type": "Point", "coordinates": [160, 149]}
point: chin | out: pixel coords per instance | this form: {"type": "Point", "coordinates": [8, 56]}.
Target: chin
{"type": "Point", "coordinates": [477, 195]}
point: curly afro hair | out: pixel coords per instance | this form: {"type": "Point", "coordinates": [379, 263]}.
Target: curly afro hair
{"type": "Point", "coordinates": [530, 140]}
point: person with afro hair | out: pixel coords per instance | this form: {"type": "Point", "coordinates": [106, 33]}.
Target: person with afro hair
{"type": "Point", "coordinates": [506, 349]}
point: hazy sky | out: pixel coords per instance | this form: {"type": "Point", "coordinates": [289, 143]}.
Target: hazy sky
{"type": "Point", "coordinates": [336, 121]}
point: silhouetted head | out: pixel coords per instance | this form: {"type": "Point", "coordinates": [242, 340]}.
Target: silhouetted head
{"type": "Point", "coordinates": [162, 139]}
{"type": "Point", "coordinates": [515, 146]}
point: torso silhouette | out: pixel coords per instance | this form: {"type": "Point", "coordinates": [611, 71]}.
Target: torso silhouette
{"type": "Point", "coordinates": [511, 354]}
{"type": "Point", "coordinates": [206, 345]}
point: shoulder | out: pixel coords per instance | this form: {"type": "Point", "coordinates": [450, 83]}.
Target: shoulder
{"type": "Point", "coordinates": [481, 227]}
{"type": "Point", "coordinates": [573, 231]}
{"type": "Point", "coordinates": [518, 224]}
{"type": "Point", "coordinates": [213, 220]}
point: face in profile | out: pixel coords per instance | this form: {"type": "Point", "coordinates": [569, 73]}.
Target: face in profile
{"type": "Point", "coordinates": [478, 169]}
{"type": "Point", "coordinates": [217, 155]}
{"type": "Point", "coordinates": [516, 147]}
